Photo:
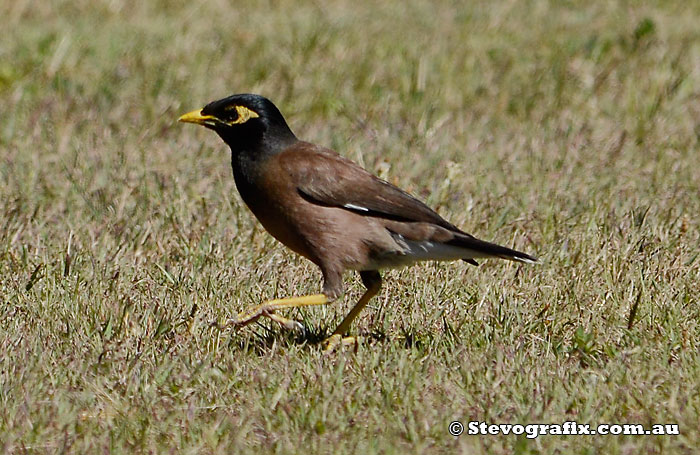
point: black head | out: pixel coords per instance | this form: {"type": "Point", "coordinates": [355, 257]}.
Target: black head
{"type": "Point", "coordinates": [244, 122]}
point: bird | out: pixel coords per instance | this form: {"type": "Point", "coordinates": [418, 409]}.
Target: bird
{"type": "Point", "coordinates": [329, 210]}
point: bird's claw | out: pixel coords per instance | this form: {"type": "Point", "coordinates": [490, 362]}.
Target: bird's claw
{"type": "Point", "coordinates": [288, 324]}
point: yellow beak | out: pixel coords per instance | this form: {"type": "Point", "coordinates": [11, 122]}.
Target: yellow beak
{"type": "Point", "coordinates": [198, 118]}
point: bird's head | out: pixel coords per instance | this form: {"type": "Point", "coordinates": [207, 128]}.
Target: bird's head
{"type": "Point", "coordinates": [244, 121]}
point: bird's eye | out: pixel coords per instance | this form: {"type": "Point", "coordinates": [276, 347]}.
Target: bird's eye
{"type": "Point", "coordinates": [236, 114]}
{"type": "Point", "coordinates": [231, 114]}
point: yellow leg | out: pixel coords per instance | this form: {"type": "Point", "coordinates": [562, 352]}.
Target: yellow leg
{"type": "Point", "coordinates": [364, 300]}
{"type": "Point", "coordinates": [337, 339]}
{"type": "Point", "coordinates": [268, 308]}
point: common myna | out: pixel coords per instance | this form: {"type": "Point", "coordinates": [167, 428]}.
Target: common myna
{"type": "Point", "coordinates": [328, 209]}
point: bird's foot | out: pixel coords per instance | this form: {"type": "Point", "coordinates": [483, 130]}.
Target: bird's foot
{"type": "Point", "coordinates": [336, 340]}
{"type": "Point", "coordinates": [252, 315]}
{"type": "Point", "coordinates": [244, 318]}
{"type": "Point", "coordinates": [268, 309]}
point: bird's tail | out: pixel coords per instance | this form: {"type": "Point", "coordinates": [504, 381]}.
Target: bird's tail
{"type": "Point", "coordinates": [476, 248]}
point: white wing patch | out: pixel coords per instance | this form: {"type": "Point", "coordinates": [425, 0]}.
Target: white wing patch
{"type": "Point", "coordinates": [356, 207]}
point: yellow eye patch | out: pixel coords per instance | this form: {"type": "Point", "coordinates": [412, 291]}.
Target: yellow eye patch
{"type": "Point", "coordinates": [244, 114]}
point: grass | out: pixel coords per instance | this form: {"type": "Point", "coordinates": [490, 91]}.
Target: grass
{"type": "Point", "coordinates": [567, 129]}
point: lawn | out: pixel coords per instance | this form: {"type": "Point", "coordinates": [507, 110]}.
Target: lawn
{"type": "Point", "coordinates": [566, 129]}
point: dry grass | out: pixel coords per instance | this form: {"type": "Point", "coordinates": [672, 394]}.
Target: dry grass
{"type": "Point", "coordinates": [567, 129]}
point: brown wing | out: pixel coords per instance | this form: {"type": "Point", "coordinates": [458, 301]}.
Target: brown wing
{"type": "Point", "coordinates": [323, 177]}
{"type": "Point", "coordinates": [326, 178]}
